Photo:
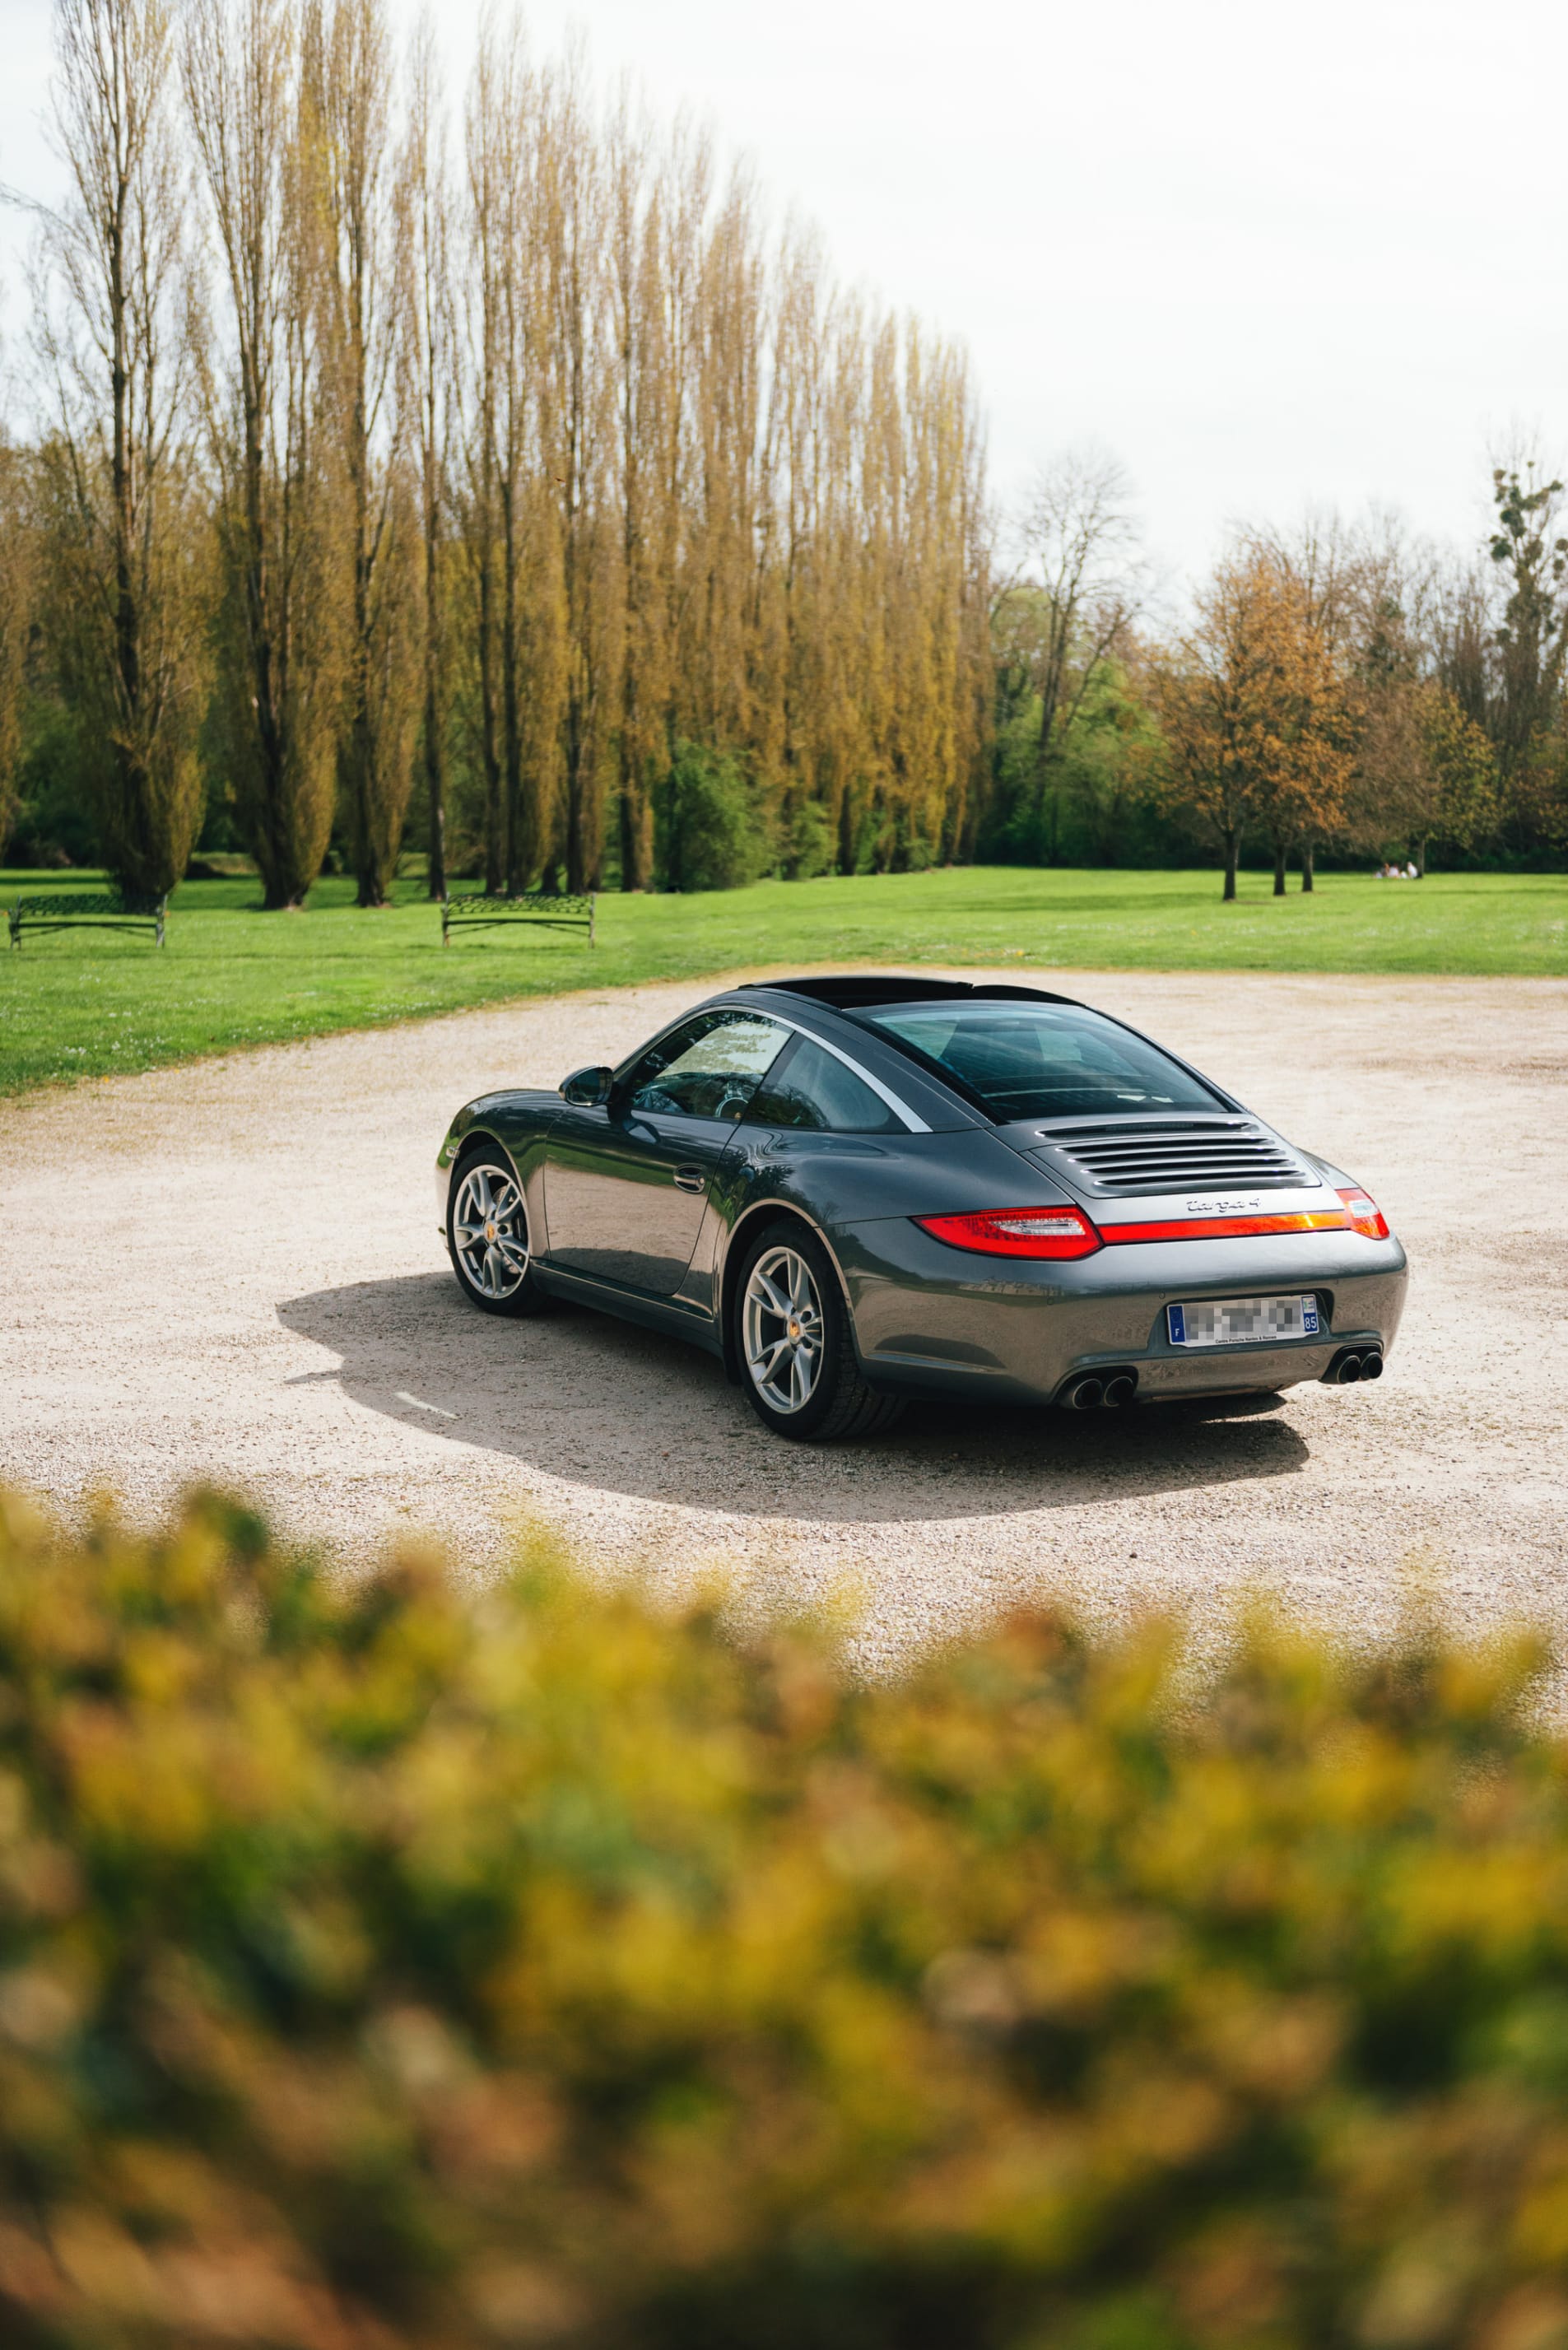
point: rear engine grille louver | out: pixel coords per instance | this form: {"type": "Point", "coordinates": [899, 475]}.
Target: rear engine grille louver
{"type": "Point", "coordinates": [1127, 1160]}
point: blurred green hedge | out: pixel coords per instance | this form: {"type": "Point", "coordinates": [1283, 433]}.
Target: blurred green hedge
{"type": "Point", "coordinates": [392, 1965]}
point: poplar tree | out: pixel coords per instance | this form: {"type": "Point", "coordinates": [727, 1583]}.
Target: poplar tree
{"type": "Point", "coordinates": [18, 609]}
{"type": "Point", "coordinates": [283, 588]}
{"type": "Point", "coordinates": [127, 537]}
{"type": "Point", "coordinates": [348, 82]}
{"type": "Point", "coordinates": [640, 388]}
{"type": "Point", "coordinates": [428, 392]}
{"type": "Point", "coordinates": [574, 423]}
{"type": "Point", "coordinates": [501, 105]}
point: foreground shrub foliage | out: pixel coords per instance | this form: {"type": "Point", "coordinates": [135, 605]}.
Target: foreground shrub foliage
{"type": "Point", "coordinates": [392, 1965]}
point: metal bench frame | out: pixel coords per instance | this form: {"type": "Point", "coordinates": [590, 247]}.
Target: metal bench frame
{"type": "Point", "coordinates": [475, 908]}
{"type": "Point", "coordinates": [103, 909]}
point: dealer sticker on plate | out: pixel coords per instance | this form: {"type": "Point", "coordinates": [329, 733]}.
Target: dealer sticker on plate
{"type": "Point", "coordinates": [1241, 1321]}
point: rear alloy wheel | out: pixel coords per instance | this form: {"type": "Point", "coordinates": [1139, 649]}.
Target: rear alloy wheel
{"type": "Point", "coordinates": [487, 1235]}
{"type": "Point", "coordinates": [797, 1347]}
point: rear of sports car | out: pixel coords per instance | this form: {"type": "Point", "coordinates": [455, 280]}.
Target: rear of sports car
{"type": "Point", "coordinates": [1147, 1266]}
{"type": "Point", "coordinates": [1161, 1241]}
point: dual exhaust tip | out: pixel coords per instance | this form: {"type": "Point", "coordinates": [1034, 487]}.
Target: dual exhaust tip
{"type": "Point", "coordinates": [1111, 1389]}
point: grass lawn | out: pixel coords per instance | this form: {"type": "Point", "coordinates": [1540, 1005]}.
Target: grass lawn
{"type": "Point", "coordinates": [83, 1004]}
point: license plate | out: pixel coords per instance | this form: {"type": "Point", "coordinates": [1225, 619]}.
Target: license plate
{"type": "Point", "coordinates": [1241, 1321]}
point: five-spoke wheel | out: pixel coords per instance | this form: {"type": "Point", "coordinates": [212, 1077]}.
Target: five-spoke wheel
{"type": "Point", "coordinates": [796, 1345]}
{"type": "Point", "coordinates": [782, 1332]}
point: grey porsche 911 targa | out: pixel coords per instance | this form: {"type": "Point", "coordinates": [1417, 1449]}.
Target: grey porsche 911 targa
{"type": "Point", "coordinates": [857, 1191]}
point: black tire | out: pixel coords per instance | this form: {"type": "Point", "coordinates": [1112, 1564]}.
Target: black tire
{"type": "Point", "coordinates": [481, 1163]}
{"type": "Point", "coordinates": [838, 1402]}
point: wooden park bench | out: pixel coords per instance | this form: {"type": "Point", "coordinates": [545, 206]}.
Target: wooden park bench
{"type": "Point", "coordinates": [69, 910]}
{"type": "Point", "coordinates": [557, 912]}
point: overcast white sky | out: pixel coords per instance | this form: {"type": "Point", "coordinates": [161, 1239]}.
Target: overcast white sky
{"type": "Point", "coordinates": [1269, 254]}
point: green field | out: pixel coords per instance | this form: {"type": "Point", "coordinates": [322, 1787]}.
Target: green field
{"type": "Point", "coordinates": [81, 1004]}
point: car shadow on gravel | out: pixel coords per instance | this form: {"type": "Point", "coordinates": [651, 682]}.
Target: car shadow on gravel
{"type": "Point", "coordinates": [603, 1404]}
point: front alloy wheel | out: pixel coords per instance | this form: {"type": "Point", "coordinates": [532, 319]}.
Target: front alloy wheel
{"type": "Point", "coordinates": [487, 1233]}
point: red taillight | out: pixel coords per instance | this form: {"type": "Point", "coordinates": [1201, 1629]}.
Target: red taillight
{"type": "Point", "coordinates": [1366, 1216]}
{"type": "Point", "coordinates": [1017, 1231]}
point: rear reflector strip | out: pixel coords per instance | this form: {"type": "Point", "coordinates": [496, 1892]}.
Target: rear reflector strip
{"type": "Point", "coordinates": [1227, 1228]}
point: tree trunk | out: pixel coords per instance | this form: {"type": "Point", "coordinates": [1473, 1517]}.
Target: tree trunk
{"type": "Point", "coordinates": [515, 865]}
{"type": "Point", "coordinates": [630, 828]}
{"type": "Point", "coordinates": [633, 873]}
{"type": "Point", "coordinates": [1280, 854]}
{"type": "Point", "coordinates": [1232, 838]}
{"type": "Point", "coordinates": [1308, 854]}
{"type": "Point", "coordinates": [1421, 858]}
{"type": "Point", "coordinates": [489, 724]}
{"type": "Point", "coordinates": [435, 785]}
{"type": "Point", "coordinates": [580, 848]}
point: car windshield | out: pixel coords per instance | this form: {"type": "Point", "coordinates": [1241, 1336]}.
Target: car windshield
{"type": "Point", "coordinates": [1043, 1060]}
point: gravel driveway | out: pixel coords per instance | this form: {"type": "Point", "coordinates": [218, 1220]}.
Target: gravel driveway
{"type": "Point", "coordinates": [230, 1271]}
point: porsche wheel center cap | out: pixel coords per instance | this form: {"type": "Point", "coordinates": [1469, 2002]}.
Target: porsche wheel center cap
{"type": "Point", "coordinates": [490, 1231]}
{"type": "Point", "coordinates": [795, 1329]}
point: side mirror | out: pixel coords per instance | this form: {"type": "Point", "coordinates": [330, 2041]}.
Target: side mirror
{"type": "Point", "coordinates": [585, 1089]}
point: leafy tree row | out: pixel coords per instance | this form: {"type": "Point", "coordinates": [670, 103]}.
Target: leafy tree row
{"type": "Point", "coordinates": [1351, 690]}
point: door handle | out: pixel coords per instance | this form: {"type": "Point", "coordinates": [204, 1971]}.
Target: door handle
{"type": "Point", "coordinates": [689, 1179]}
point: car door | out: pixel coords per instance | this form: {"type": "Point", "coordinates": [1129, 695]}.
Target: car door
{"type": "Point", "coordinates": [626, 1183]}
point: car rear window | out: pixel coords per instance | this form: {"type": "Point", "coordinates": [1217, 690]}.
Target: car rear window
{"type": "Point", "coordinates": [1042, 1060]}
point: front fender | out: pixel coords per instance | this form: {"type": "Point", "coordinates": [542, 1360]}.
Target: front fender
{"type": "Point", "coordinates": [518, 1124]}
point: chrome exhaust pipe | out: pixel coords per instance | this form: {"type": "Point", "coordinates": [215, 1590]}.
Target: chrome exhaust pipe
{"type": "Point", "coordinates": [1120, 1390]}
{"type": "Point", "coordinates": [1085, 1394]}
{"type": "Point", "coordinates": [1372, 1367]}
{"type": "Point", "coordinates": [1349, 1370]}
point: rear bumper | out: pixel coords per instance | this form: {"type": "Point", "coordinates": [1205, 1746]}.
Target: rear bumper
{"type": "Point", "coordinates": [935, 1320]}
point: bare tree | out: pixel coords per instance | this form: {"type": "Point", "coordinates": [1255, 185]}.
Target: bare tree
{"type": "Point", "coordinates": [1084, 578]}
{"type": "Point", "coordinates": [1502, 644]}
{"type": "Point", "coordinates": [635, 323]}
{"type": "Point", "coordinates": [348, 84]}
{"type": "Point", "coordinates": [1531, 555]}
{"type": "Point", "coordinates": [128, 590]}
{"type": "Point", "coordinates": [502, 101]}
{"type": "Point", "coordinates": [279, 673]}
{"type": "Point", "coordinates": [18, 594]}
{"type": "Point", "coordinates": [429, 390]}
{"type": "Point", "coordinates": [575, 420]}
